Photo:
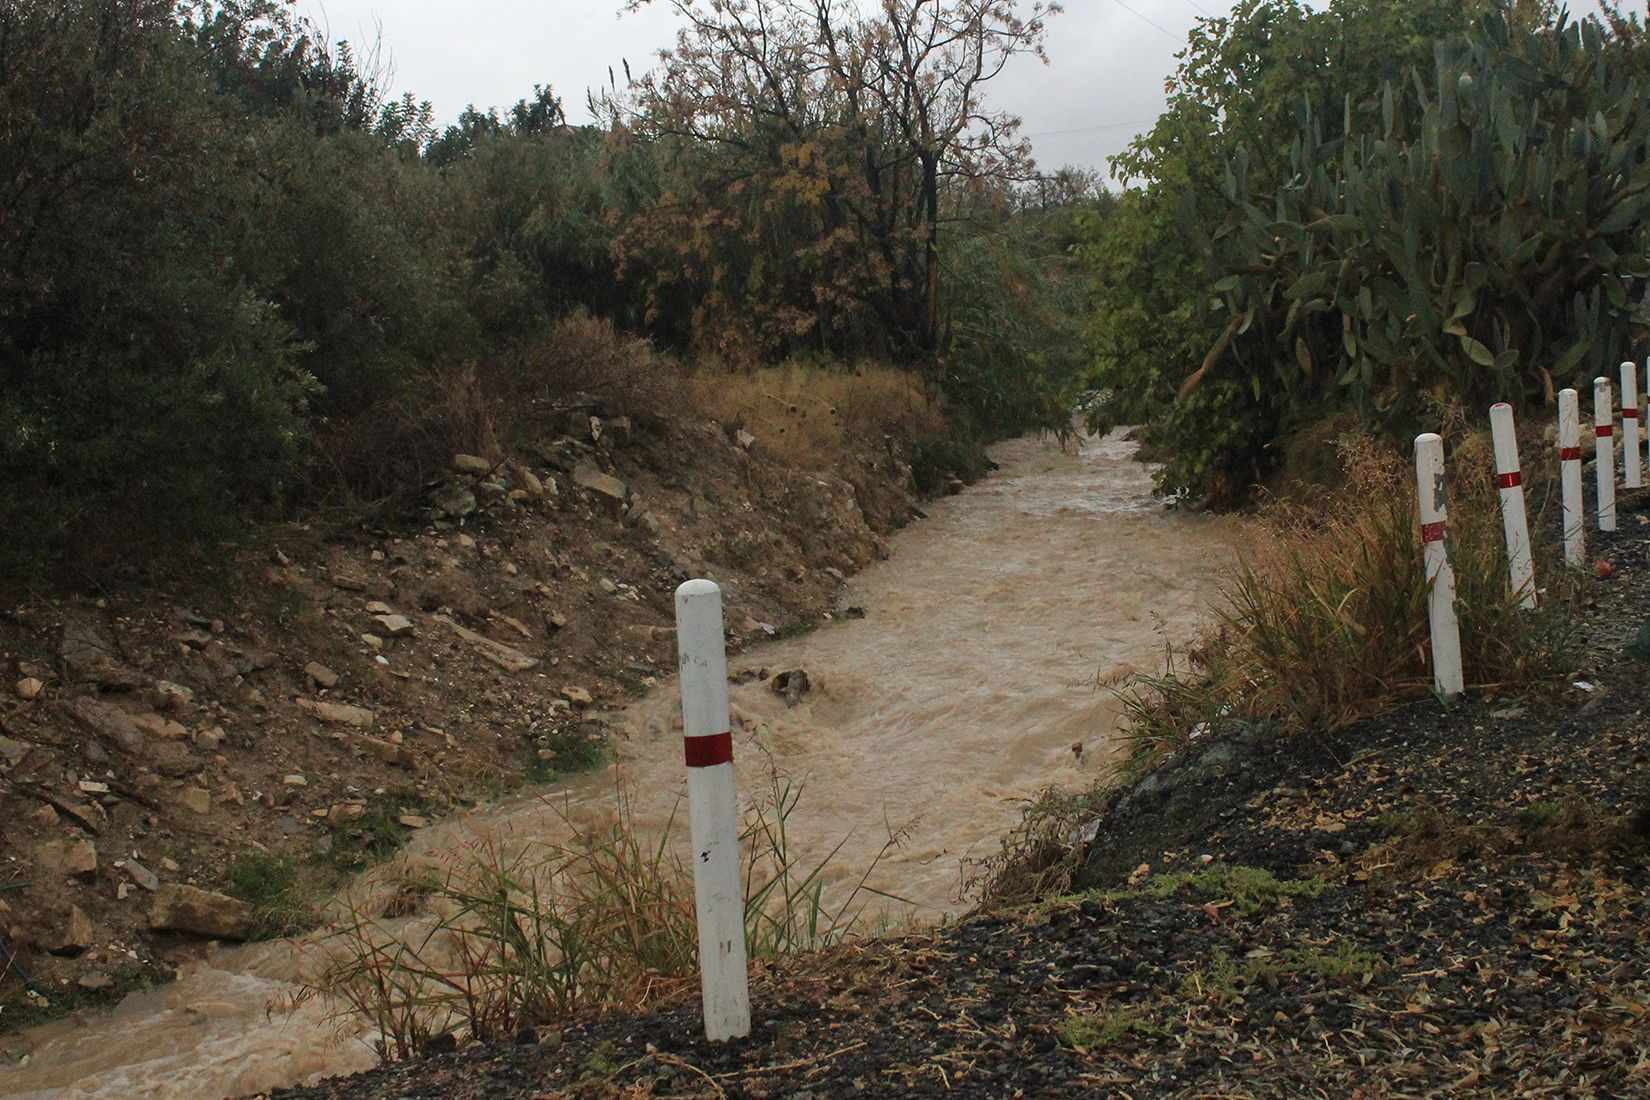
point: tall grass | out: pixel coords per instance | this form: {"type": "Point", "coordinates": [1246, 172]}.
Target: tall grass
{"type": "Point", "coordinates": [1323, 620]}
{"type": "Point", "coordinates": [809, 412]}
{"type": "Point", "coordinates": [603, 921]}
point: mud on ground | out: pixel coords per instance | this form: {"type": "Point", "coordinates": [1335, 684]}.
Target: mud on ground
{"type": "Point", "coordinates": [325, 692]}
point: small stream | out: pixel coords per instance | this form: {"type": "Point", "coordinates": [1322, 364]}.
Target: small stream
{"type": "Point", "coordinates": [967, 687]}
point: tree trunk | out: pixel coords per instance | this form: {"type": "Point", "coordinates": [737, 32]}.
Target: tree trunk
{"type": "Point", "coordinates": [928, 334]}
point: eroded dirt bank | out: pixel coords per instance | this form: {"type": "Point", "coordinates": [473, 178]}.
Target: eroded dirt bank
{"type": "Point", "coordinates": [322, 697]}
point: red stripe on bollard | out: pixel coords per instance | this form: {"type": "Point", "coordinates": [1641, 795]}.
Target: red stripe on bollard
{"type": "Point", "coordinates": [1509, 481]}
{"type": "Point", "coordinates": [707, 752]}
{"type": "Point", "coordinates": [1629, 414]}
{"type": "Point", "coordinates": [1433, 532]}
{"type": "Point", "coordinates": [1569, 454]}
{"type": "Point", "coordinates": [1603, 430]}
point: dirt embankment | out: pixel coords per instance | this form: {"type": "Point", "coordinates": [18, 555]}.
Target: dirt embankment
{"type": "Point", "coordinates": [323, 694]}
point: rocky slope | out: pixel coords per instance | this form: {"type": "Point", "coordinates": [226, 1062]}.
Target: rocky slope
{"type": "Point", "coordinates": [320, 693]}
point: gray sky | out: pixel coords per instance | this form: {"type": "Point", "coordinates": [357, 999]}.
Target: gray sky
{"type": "Point", "coordinates": [1108, 59]}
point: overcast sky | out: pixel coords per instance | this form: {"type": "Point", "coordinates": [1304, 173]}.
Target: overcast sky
{"type": "Point", "coordinates": [1104, 82]}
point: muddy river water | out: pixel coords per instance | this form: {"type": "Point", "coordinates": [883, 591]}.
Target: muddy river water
{"type": "Point", "coordinates": [962, 692]}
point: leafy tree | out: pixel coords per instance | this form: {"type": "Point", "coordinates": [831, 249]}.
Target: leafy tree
{"type": "Point", "coordinates": [1242, 83]}
{"type": "Point", "coordinates": [834, 138]}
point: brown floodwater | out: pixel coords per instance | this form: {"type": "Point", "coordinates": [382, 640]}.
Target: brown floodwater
{"type": "Point", "coordinates": [959, 695]}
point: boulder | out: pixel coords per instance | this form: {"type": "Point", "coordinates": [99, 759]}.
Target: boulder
{"type": "Point", "coordinates": [338, 714]}
{"type": "Point", "coordinates": [509, 658]}
{"type": "Point", "coordinates": [143, 876]}
{"type": "Point", "coordinates": [586, 476]}
{"type": "Point", "coordinates": [791, 686]}
{"type": "Point", "coordinates": [472, 464]}
{"type": "Point", "coordinates": [107, 723]}
{"type": "Point", "coordinates": [163, 728]}
{"type": "Point", "coordinates": [321, 675]}
{"type": "Point", "coordinates": [62, 857]}
{"type": "Point", "coordinates": [200, 912]}
{"type": "Point", "coordinates": [91, 656]}
{"type": "Point", "coordinates": [75, 936]}
{"type": "Point", "coordinates": [530, 481]}
{"type": "Point", "coordinates": [394, 626]}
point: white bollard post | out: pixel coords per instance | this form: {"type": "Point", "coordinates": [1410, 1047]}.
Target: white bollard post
{"type": "Point", "coordinates": [1569, 467]}
{"type": "Point", "coordinates": [1446, 632]}
{"type": "Point", "coordinates": [1509, 478]}
{"type": "Point", "coordinates": [1603, 426]}
{"type": "Point", "coordinates": [1631, 456]}
{"type": "Point", "coordinates": [712, 811]}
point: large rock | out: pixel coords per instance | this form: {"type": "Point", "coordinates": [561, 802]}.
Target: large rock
{"type": "Point", "coordinates": [91, 656]}
{"type": "Point", "coordinates": [321, 674]}
{"type": "Point", "coordinates": [393, 625]}
{"type": "Point", "coordinates": [338, 714]}
{"type": "Point", "coordinates": [472, 464]}
{"type": "Point", "coordinates": [107, 723]}
{"type": "Point", "coordinates": [201, 913]}
{"type": "Point", "coordinates": [506, 657]}
{"type": "Point", "coordinates": [157, 726]}
{"type": "Point", "coordinates": [586, 476]}
{"type": "Point", "coordinates": [75, 936]}
{"type": "Point", "coordinates": [62, 857]}
{"type": "Point", "coordinates": [530, 481]}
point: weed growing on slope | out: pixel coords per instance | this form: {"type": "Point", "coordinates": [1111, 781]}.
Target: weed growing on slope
{"type": "Point", "coordinates": [273, 886]}
{"type": "Point", "coordinates": [1226, 980]}
{"type": "Point", "coordinates": [601, 921]}
{"type": "Point", "coordinates": [1099, 1030]}
{"type": "Point", "coordinates": [1249, 890]}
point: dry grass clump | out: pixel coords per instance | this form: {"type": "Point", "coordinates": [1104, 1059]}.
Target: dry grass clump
{"type": "Point", "coordinates": [807, 414]}
{"type": "Point", "coordinates": [487, 406]}
{"type": "Point", "coordinates": [1324, 618]}
{"type": "Point", "coordinates": [603, 921]}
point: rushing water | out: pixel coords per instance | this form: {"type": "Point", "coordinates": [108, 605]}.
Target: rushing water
{"type": "Point", "coordinates": [962, 692]}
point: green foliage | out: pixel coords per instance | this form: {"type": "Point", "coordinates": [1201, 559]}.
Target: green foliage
{"type": "Point", "coordinates": [1396, 204]}
{"type": "Point", "coordinates": [142, 374]}
{"type": "Point", "coordinates": [378, 833]}
{"type": "Point", "coordinates": [1226, 980]}
{"type": "Point", "coordinates": [1249, 890]}
{"type": "Point", "coordinates": [273, 887]}
{"type": "Point", "coordinates": [238, 276]}
{"type": "Point", "coordinates": [1472, 236]}
{"type": "Point", "coordinates": [1099, 1030]}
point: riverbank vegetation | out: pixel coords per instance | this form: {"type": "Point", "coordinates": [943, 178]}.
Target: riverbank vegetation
{"type": "Point", "coordinates": [1373, 209]}
{"type": "Point", "coordinates": [241, 277]}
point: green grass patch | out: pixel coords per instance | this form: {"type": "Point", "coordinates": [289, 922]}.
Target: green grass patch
{"type": "Point", "coordinates": [378, 833]}
{"type": "Point", "coordinates": [1099, 1030]}
{"type": "Point", "coordinates": [567, 750]}
{"type": "Point", "coordinates": [1250, 890]}
{"type": "Point", "coordinates": [1226, 980]}
{"type": "Point", "coordinates": [274, 887]}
